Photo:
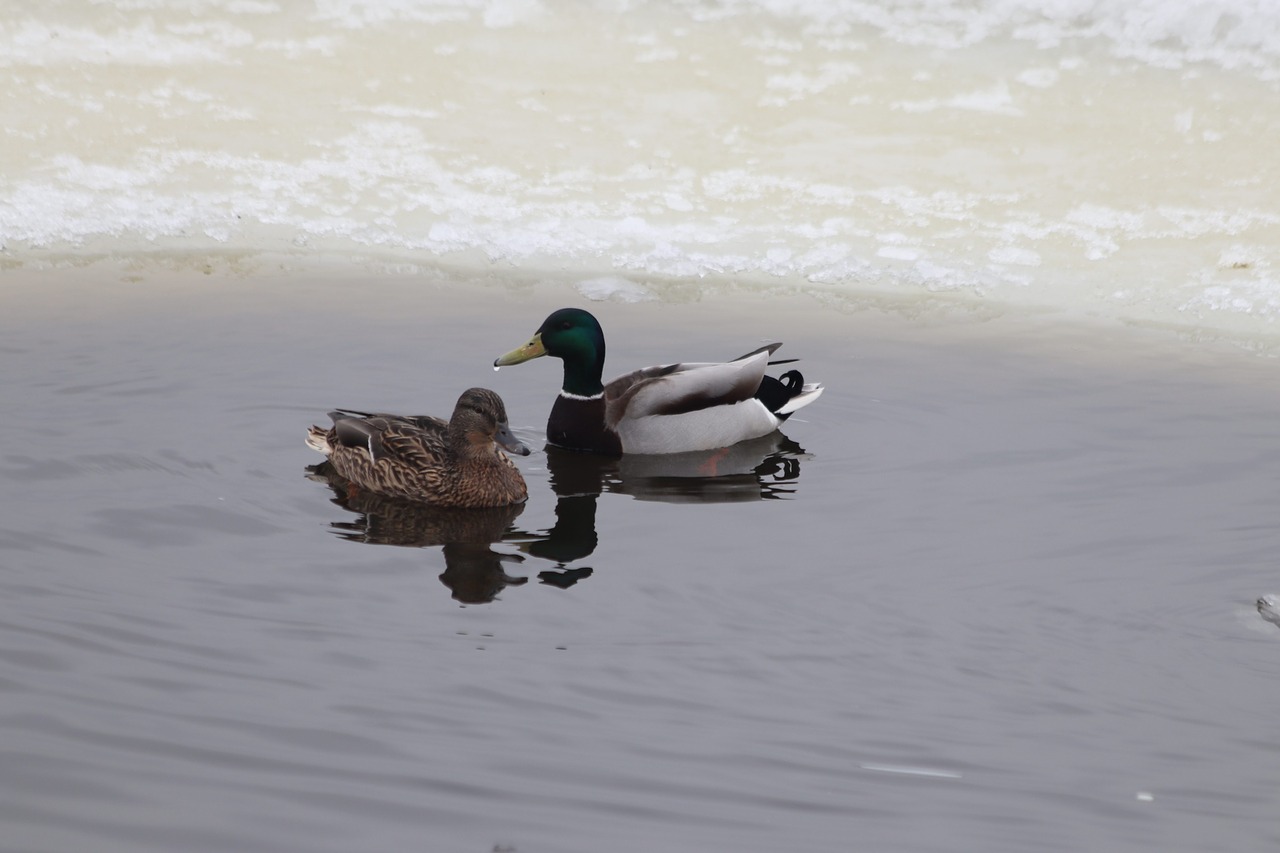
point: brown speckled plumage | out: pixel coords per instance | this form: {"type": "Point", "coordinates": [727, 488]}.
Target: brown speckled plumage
{"type": "Point", "coordinates": [423, 458]}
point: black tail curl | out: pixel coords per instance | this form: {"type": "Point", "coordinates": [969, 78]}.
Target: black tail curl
{"type": "Point", "coordinates": [775, 393]}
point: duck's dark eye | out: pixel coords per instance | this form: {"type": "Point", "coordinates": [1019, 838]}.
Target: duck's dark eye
{"type": "Point", "coordinates": [566, 325]}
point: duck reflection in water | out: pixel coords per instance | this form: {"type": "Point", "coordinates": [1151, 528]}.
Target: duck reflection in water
{"type": "Point", "coordinates": [473, 571]}
{"type": "Point", "coordinates": [766, 468]}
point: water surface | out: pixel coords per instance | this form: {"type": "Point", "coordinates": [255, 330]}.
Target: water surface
{"type": "Point", "coordinates": [994, 591]}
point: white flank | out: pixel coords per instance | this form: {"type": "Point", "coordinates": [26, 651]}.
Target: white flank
{"type": "Point", "coordinates": [707, 429]}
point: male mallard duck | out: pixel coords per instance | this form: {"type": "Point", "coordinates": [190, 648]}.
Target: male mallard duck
{"type": "Point", "coordinates": [671, 408]}
{"type": "Point", "coordinates": [426, 459]}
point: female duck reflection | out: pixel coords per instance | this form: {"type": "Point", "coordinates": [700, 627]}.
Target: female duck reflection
{"type": "Point", "coordinates": [766, 468]}
{"type": "Point", "coordinates": [473, 570]}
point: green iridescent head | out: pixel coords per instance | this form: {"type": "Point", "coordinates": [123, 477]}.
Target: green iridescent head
{"type": "Point", "coordinates": [574, 336]}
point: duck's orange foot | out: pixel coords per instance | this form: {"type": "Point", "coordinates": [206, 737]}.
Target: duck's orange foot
{"type": "Point", "coordinates": [710, 466]}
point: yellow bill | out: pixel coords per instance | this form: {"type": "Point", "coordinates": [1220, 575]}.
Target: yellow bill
{"type": "Point", "coordinates": [533, 349]}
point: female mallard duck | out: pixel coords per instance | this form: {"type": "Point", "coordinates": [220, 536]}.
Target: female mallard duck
{"type": "Point", "coordinates": [426, 459]}
{"type": "Point", "coordinates": [671, 408]}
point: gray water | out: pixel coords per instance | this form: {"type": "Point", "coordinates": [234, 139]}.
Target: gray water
{"type": "Point", "coordinates": [993, 592]}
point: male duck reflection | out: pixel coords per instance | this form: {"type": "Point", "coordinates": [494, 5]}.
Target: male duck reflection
{"type": "Point", "coordinates": [671, 408]}
{"type": "Point", "coordinates": [423, 458]}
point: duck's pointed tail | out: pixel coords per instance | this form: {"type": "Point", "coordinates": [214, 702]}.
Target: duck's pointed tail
{"type": "Point", "coordinates": [787, 393]}
{"type": "Point", "coordinates": [318, 439]}
{"type": "Point", "coordinates": [808, 392]}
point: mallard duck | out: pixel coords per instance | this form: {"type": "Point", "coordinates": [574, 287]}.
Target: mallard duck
{"type": "Point", "coordinates": [423, 458]}
{"type": "Point", "coordinates": [672, 408]}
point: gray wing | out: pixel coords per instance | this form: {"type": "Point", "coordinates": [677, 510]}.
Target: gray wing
{"type": "Point", "coordinates": [676, 389]}
{"type": "Point", "coordinates": [411, 438]}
